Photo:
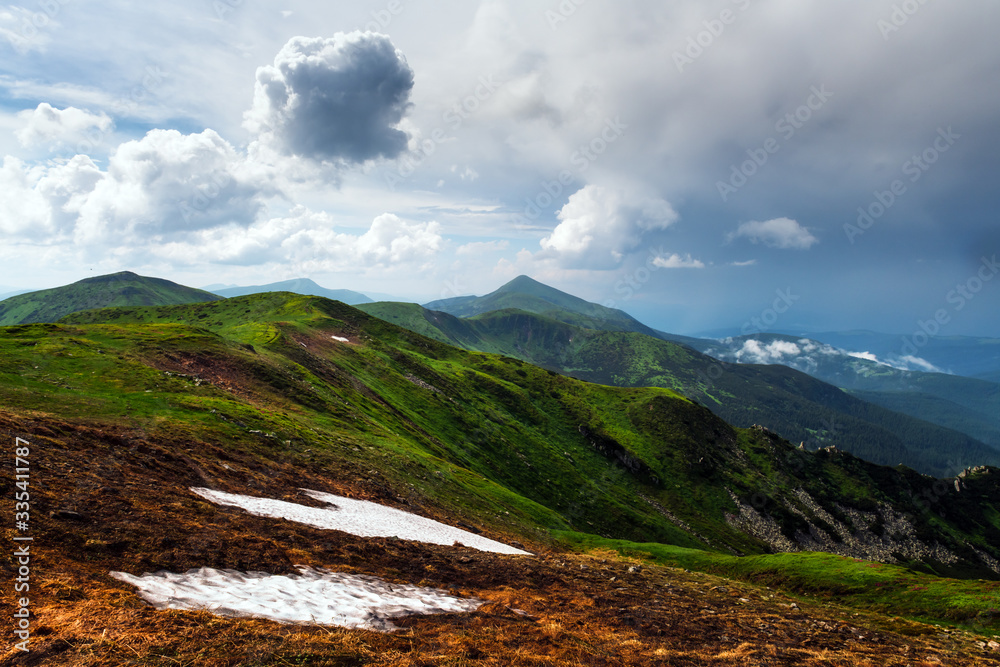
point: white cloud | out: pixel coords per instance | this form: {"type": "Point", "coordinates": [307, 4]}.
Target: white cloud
{"type": "Point", "coordinates": [168, 183]}
{"type": "Point", "coordinates": [41, 203]}
{"type": "Point", "coordinates": [310, 242]}
{"type": "Point", "coordinates": [478, 248]}
{"type": "Point", "coordinates": [46, 124]}
{"type": "Point", "coordinates": [783, 233]}
{"type": "Point", "coordinates": [675, 261]}
{"type": "Point", "coordinates": [337, 99]}
{"type": "Point", "coordinates": [750, 262]}
{"type": "Point", "coordinates": [599, 225]}
{"type": "Point", "coordinates": [163, 185]}
{"type": "Point", "coordinates": [868, 356]}
{"type": "Point", "coordinates": [393, 241]}
{"type": "Point", "coordinates": [23, 210]}
{"type": "Point", "coordinates": [913, 363]}
{"type": "Point", "coordinates": [775, 352]}
{"type": "Point", "coordinates": [19, 26]}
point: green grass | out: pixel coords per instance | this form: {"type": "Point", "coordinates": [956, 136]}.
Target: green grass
{"type": "Point", "coordinates": [864, 585]}
{"type": "Point", "coordinates": [489, 438]}
{"type": "Point", "coordinates": [572, 340]}
{"type": "Point", "coordinates": [119, 289]}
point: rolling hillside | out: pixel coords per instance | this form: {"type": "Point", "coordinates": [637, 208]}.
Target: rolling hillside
{"type": "Point", "coordinates": [127, 409]}
{"type": "Point", "coordinates": [787, 401]}
{"type": "Point", "coordinates": [117, 289]}
{"type": "Point", "coordinates": [558, 452]}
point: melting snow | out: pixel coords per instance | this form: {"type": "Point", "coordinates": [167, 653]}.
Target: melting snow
{"type": "Point", "coordinates": [314, 596]}
{"type": "Point", "coordinates": [359, 517]}
{"type": "Point", "coordinates": [342, 340]}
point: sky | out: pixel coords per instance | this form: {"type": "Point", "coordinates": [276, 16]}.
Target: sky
{"type": "Point", "coordinates": [732, 164]}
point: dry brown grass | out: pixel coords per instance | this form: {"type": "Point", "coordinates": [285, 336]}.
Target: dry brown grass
{"type": "Point", "coordinates": [553, 609]}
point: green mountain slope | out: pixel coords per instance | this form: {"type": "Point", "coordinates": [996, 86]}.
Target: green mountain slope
{"type": "Point", "coordinates": [789, 402]}
{"type": "Point", "coordinates": [507, 445]}
{"type": "Point", "coordinates": [117, 289]}
{"type": "Point", "coordinates": [968, 405]}
{"type": "Point", "coordinates": [938, 411]}
{"type": "Point", "coordinates": [302, 286]}
{"type": "Point", "coordinates": [527, 294]}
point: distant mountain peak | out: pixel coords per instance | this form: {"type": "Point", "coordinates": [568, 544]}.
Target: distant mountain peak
{"type": "Point", "coordinates": [124, 288]}
{"type": "Point", "coordinates": [113, 277]}
{"type": "Point", "coordinates": [305, 286]}
{"type": "Point", "coordinates": [527, 294]}
{"type": "Point", "coordinates": [524, 282]}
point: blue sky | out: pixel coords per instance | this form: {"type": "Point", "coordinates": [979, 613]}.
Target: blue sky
{"type": "Point", "coordinates": [698, 164]}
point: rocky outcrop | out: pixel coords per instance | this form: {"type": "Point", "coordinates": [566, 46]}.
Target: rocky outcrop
{"type": "Point", "coordinates": [897, 542]}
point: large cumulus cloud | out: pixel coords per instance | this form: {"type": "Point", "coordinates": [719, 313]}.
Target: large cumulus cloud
{"type": "Point", "coordinates": [598, 225]}
{"type": "Point", "coordinates": [48, 125]}
{"type": "Point", "coordinates": [337, 99]}
{"type": "Point", "coordinates": [158, 187]}
{"type": "Point", "coordinates": [311, 242]}
{"type": "Point", "coordinates": [169, 182]}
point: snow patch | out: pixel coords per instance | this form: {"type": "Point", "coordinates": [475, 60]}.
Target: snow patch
{"type": "Point", "coordinates": [314, 596]}
{"type": "Point", "coordinates": [341, 339]}
{"type": "Point", "coordinates": [359, 517]}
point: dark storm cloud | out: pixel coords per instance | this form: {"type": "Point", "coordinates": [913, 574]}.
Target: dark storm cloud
{"type": "Point", "coordinates": [334, 99]}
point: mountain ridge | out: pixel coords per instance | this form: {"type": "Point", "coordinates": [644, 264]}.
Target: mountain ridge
{"type": "Point", "coordinates": [304, 286]}
{"type": "Point", "coordinates": [613, 442]}
{"type": "Point", "coordinates": [127, 409]}
{"type": "Point", "coordinates": [800, 407]}
{"type": "Point", "coordinates": [124, 288]}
